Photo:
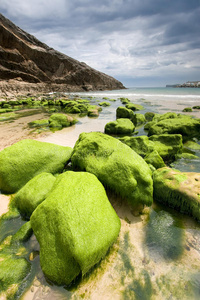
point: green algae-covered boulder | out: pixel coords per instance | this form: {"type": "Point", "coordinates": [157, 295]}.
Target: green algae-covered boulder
{"type": "Point", "coordinates": [23, 234]}
{"type": "Point", "coordinates": [149, 116]}
{"type": "Point", "coordinates": [179, 190]}
{"type": "Point", "coordinates": [186, 126]}
{"type": "Point", "coordinates": [23, 160]}
{"type": "Point", "coordinates": [123, 112]}
{"type": "Point", "coordinates": [154, 159]}
{"type": "Point", "coordinates": [116, 165]}
{"type": "Point", "coordinates": [33, 193]}
{"type": "Point", "coordinates": [120, 126]}
{"type": "Point", "coordinates": [75, 226]}
{"type": "Point", "coordinates": [167, 145]}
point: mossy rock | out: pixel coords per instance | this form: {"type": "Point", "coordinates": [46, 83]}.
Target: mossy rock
{"type": "Point", "coordinates": [33, 193]}
{"type": "Point", "coordinates": [39, 123]}
{"type": "Point", "coordinates": [134, 107]}
{"type": "Point", "coordinates": [125, 113]}
{"type": "Point", "coordinates": [60, 120]}
{"type": "Point", "coordinates": [179, 190]}
{"type": "Point", "coordinates": [196, 107]}
{"type": "Point", "coordinates": [187, 156]}
{"type": "Point", "coordinates": [116, 165]}
{"type": "Point", "coordinates": [8, 116]}
{"type": "Point", "coordinates": [75, 226]}
{"type": "Point", "coordinates": [187, 109]}
{"type": "Point", "coordinates": [140, 144]}
{"type": "Point", "coordinates": [93, 113]}
{"type": "Point", "coordinates": [167, 145]}
{"type": "Point", "coordinates": [139, 119]}
{"type": "Point", "coordinates": [120, 127]}
{"type": "Point", "coordinates": [104, 104]}
{"type": "Point", "coordinates": [154, 159]}
{"type": "Point", "coordinates": [192, 145]}
{"type": "Point", "coordinates": [187, 127]}
{"type": "Point", "coordinates": [13, 273]}
{"type": "Point", "coordinates": [124, 100]}
{"type": "Point", "coordinates": [149, 115]}
{"type": "Point", "coordinates": [23, 160]}
{"type": "Point", "coordinates": [5, 110]}
{"type": "Point", "coordinates": [23, 234]}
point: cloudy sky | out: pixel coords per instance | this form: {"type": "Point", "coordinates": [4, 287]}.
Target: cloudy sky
{"type": "Point", "coordinates": [139, 42]}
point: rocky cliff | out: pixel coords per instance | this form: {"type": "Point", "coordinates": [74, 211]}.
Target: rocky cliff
{"type": "Point", "coordinates": [28, 65]}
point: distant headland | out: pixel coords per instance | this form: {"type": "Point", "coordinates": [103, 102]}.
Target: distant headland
{"type": "Point", "coordinates": [188, 84]}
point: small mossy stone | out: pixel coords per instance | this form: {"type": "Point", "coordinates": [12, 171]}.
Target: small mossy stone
{"type": "Point", "coordinates": [13, 271]}
{"type": "Point", "coordinates": [154, 159]}
{"type": "Point", "coordinates": [187, 109]}
{"type": "Point", "coordinates": [123, 112]}
{"type": "Point", "coordinates": [139, 119]}
{"type": "Point", "coordinates": [116, 165]}
{"type": "Point", "coordinates": [120, 126]}
{"type": "Point", "coordinates": [134, 107]}
{"type": "Point", "coordinates": [124, 100]}
{"type": "Point", "coordinates": [179, 190]}
{"type": "Point", "coordinates": [75, 226]}
{"type": "Point", "coordinates": [192, 145]}
{"type": "Point", "coordinates": [104, 104]}
{"type": "Point", "coordinates": [25, 159]}
{"type": "Point", "coordinates": [39, 123]}
{"type": "Point", "coordinates": [23, 234]}
{"type": "Point", "coordinates": [33, 193]}
{"type": "Point", "coordinates": [60, 119]}
{"type": "Point", "coordinates": [149, 116]}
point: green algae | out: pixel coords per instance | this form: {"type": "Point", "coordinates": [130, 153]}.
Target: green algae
{"type": "Point", "coordinates": [39, 123]}
{"type": "Point", "coordinates": [123, 112]}
{"type": "Point", "coordinates": [104, 103]}
{"type": "Point", "coordinates": [134, 107]}
{"type": "Point", "coordinates": [154, 159]}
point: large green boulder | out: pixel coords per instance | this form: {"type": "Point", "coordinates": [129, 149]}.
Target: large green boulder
{"type": "Point", "coordinates": [33, 193]}
{"type": "Point", "coordinates": [75, 226]}
{"type": "Point", "coordinates": [23, 160]}
{"type": "Point", "coordinates": [120, 126]}
{"type": "Point", "coordinates": [116, 165]}
{"type": "Point", "coordinates": [60, 121]}
{"type": "Point", "coordinates": [189, 128]}
{"type": "Point", "coordinates": [179, 190]}
{"type": "Point", "coordinates": [139, 119]}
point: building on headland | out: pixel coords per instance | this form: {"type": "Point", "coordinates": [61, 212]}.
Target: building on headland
{"type": "Point", "coordinates": [188, 84]}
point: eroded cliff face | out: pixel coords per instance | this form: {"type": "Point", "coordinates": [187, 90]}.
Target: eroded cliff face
{"type": "Point", "coordinates": [28, 65]}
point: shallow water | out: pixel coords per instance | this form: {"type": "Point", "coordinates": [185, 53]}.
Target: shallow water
{"type": "Point", "coordinates": [157, 254]}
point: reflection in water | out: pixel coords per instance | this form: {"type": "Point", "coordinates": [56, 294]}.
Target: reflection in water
{"type": "Point", "coordinates": [163, 235]}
